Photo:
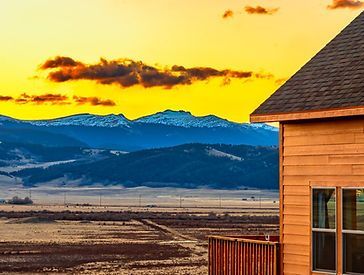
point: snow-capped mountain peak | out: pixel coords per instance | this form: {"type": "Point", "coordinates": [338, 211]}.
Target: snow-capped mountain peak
{"type": "Point", "coordinates": [181, 119]}
{"type": "Point", "coordinates": [185, 119]}
{"type": "Point", "coordinates": [264, 127]}
{"type": "Point", "coordinates": [109, 121]}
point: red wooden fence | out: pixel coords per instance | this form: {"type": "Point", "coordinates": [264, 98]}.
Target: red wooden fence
{"type": "Point", "coordinates": [243, 256]}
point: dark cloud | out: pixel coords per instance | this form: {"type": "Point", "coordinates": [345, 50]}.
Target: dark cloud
{"type": "Point", "coordinates": [281, 81]}
{"type": "Point", "coordinates": [127, 73]}
{"type": "Point", "coordinates": [57, 99]}
{"type": "Point", "coordinates": [228, 14]}
{"type": "Point", "coordinates": [6, 98]}
{"type": "Point", "coordinates": [59, 61]}
{"type": "Point", "coordinates": [54, 99]}
{"type": "Point", "coordinates": [260, 10]}
{"type": "Point", "coordinates": [340, 4]}
{"type": "Point", "coordinates": [94, 101]}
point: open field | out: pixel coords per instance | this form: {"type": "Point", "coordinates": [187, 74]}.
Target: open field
{"type": "Point", "coordinates": [144, 196]}
{"type": "Point", "coordinates": [121, 239]}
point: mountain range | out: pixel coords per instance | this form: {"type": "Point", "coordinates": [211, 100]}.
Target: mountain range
{"type": "Point", "coordinates": [166, 149]}
{"type": "Point", "coordinates": [163, 129]}
{"type": "Point", "coordinates": [188, 166]}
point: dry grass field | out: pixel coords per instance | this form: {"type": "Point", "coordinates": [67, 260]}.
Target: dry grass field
{"type": "Point", "coordinates": [93, 239]}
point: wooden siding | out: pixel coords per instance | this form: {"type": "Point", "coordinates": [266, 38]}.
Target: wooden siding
{"type": "Point", "coordinates": [299, 116]}
{"type": "Point", "coordinates": [315, 153]}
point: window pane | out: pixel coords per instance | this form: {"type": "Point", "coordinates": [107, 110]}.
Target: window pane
{"type": "Point", "coordinates": [324, 208]}
{"type": "Point", "coordinates": [353, 253]}
{"type": "Point", "coordinates": [353, 209]}
{"type": "Point", "coordinates": [324, 251]}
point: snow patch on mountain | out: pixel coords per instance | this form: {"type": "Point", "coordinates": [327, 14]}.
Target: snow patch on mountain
{"type": "Point", "coordinates": [171, 118]}
{"type": "Point", "coordinates": [263, 126]}
{"type": "Point", "coordinates": [109, 121]}
{"type": "Point", "coordinates": [216, 153]}
{"type": "Point", "coordinates": [185, 119]}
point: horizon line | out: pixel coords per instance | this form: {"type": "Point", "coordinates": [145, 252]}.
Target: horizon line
{"type": "Point", "coordinates": [115, 114]}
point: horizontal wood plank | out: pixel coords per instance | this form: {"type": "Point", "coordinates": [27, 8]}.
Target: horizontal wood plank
{"type": "Point", "coordinates": [297, 200]}
{"type": "Point", "coordinates": [334, 170]}
{"type": "Point", "coordinates": [305, 160]}
{"type": "Point", "coordinates": [303, 230]}
{"type": "Point", "coordinates": [323, 160]}
{"type": "Point", "coordinates": [316, 150]}
{"type": "Point", "coordinates": [297, 249]}
{"type": "Point", "coordinates": [346, 159]}
{"type": "Point", "coordinates": [328, 139]}
{"type": "Point", "coordinates": [293, 259]}
{"type": "Point", "coordinates": [342, 180]}
{"type": "Point", "coordinates": [297, 190]}
{"type": "Point", "coordinates": [291, 219]}
{"type": "Point", "coordinates": [324, 128]}
{"type": "Point", "coordinates": [296, 210]}
{"type": "Point", "coordinates": [295, 239]}
{"type": "Point", "coordinates": [359, 137]}
{"type": "Point", "coordinates": [296, 269]}
{"type": "Point", "coordinates": [358, 169]}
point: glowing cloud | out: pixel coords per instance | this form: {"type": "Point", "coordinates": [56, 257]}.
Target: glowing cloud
{"type": "Point", "coordinates": [54, 99]}
{"type": "Point", "coordinates": [350, 4]}
{"type": "Point", "coordinates": [228, 14]}
{"type": "Point", "coordinates": [94, 101]}
{"type": "Point", "coordinates": [57, 99]}
{"type": "Point", "coordinates": [260, 10]}
{"type": "Point", "coordinates": [127, 73]}
{"type": "Point", "coordinates": [6, 98]}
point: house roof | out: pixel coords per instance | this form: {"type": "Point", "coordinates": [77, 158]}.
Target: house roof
{"type": "Point", "coordinates": [330, 84]}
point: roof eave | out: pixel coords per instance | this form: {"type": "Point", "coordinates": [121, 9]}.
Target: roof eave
{"type": "Point", "coordinates": [295, 116]}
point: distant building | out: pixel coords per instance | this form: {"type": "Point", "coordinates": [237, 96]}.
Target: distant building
{"type": "Point", "coordinates": [320, 111]}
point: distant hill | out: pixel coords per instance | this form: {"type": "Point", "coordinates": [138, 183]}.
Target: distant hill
{"type": "Point", "coordinates": [164, 129]}
{"type": "Point", "coordinates": [189, 166]}
{"type": "Point", "coordinates": [20, 154]}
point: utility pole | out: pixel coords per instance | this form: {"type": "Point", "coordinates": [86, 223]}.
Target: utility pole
{"type": "Point", "coordinates": [30, 193]}
{"type": "Point", "coordinates": [100, 199]}
{"type": "Point", "coordinates": [64, 197]}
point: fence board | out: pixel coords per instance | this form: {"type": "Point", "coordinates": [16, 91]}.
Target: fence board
{"type": "Point", "coordinates": [243, 256]}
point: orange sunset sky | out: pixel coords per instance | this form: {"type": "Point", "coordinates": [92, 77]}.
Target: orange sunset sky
{"type": "Point", "coordinates": [221, 57]}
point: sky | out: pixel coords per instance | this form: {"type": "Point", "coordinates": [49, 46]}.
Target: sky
{"type": "Point", "coordinates": [138, 57]}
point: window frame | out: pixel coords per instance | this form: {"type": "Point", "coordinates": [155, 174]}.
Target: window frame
{"type": "Point", "coordinates": [322, 230]}
{"type": "Point", "coordinates": [346, 231]}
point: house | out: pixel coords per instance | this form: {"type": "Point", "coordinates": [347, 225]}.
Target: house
{"type": "Point", "coordinates": [320, 111]}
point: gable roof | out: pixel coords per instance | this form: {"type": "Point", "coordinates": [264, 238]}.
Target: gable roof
{"type": "Point", "coordinates": [332, 81]}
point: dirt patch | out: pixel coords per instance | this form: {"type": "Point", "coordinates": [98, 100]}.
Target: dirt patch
{"type": "Point", "coordinates": [121, 242]}
{"type": "Point", "coordinates": [31, 220]}
{"type": "Point", "coordinates": [16, 257]}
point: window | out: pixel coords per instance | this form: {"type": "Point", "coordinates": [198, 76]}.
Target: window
{"type": "Point", "coordinates": [324, 229]}
{"type": "Point", "coordinates": [353, 230]}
